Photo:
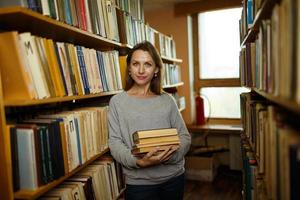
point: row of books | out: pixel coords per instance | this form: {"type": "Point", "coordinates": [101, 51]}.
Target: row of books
{"type": "Point", "coordinates": [166, 46]}
{"type": "Point", "coordinates": [100, 180]}
{"type": "Point", "coordinates": [271, 63]}
{"type": "Point", "coordinates": [50, 146]}
{"type": "Point", "coordinates": [250, 9]}
{"type": "Point", "coordinates": [171, 74]}
{"type": "Point", "coordinates": [274, 137]}
{"type": "Point", "coordinates": [133, 31]}
{"type": "Point", "coordinates": [253, 183]}
{"type": "Point", "coordinates": [98, 17]}
{"type": "Point", "coordinates": [45, 68]}
{"type": "Point", "coordinates": [134, 7]}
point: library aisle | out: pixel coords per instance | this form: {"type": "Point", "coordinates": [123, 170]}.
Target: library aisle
{"type": "Point", "coordinates": [226, 186]}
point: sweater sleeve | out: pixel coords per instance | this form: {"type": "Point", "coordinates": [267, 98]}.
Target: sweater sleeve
{"type": "Point", "coordinates": [118, 149]}
{"type": "Point", "coordinates": [184, 136]}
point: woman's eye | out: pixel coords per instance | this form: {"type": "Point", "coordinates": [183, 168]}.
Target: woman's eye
{"type": "Point", "coordinates": [148, 65]}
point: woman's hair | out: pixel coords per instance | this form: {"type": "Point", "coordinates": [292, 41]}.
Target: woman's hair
{"type": "Point", "coordinates": [155, 85]}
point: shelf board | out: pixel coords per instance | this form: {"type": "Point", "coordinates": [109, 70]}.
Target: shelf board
{"type": "Point", "coordinates": [31, 102]}
{"type": "Point", "coordinates": [171, 60]}
{"type": "Point", "coordinates": [264, 12]}
{"type": "Point", "coordinates": [41, 190]}
{"type": "Point", "coordinates": [173, 85]}
{"type": "Point", "coordinates": [26, 20]}
{"type": "Point", "coordinates": [222, 129]}
{"type": "Point", "coordinates": [181, 109]}
{"type": "Point", "coordinates": [283, 102]}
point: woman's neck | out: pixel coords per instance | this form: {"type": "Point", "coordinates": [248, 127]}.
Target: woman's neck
{"type": "Point", "coordinates": [141, 91]}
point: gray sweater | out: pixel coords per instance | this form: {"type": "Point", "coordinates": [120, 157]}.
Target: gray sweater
{"type": "Point", "coordinates": [128, 114]}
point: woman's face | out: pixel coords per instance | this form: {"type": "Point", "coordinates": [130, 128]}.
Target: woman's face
{"type": "Point", "coordinates": [142, 68]}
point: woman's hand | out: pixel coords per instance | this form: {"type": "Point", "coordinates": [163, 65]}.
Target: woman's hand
{"type": "Point", "coordinates": [156, 157]}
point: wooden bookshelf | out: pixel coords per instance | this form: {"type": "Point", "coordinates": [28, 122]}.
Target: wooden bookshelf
{"type": "Point", "coordinates": [6, 189]}
{"type": "Point", "coordinates": [271, 128]}
{"type": "Point", "coordinates": [173, 85]}
{"type": "Point", "coordinates": [41, 190]}
{"type": "Point", "coordinates": [288, 104]}
{"type": "Point", "coordinates": [171, 60]}
{"type": "Point", "coordinates": [58, 99]}
{"type": "Point", "coordinates": [219, 129]}
{"type": "Point", "coordinates": [181, 109]}
{"type": "Point", "coordinates": [26, 20]}
{"type": "Point", "coordinates": [263, 13]}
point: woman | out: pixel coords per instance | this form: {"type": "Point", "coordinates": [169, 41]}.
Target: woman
{"type": "Point", "coordinates": [142, 106]}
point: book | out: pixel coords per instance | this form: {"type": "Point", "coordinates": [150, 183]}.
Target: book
{"type": "Point", "coordinates": [15, 67]}
{"type": "Point", "coordinates": [138, 135]}
{"type": "Point", "coordinates": [147, 140]}
{"type": "Point", "coordinates": [27, 158]}
{"type": "Point", "coordinates": [87, 185]}
{"type": "Point", "coordinates": [171, 138]}
{"type": "Point", "coordinates": [156, 144]}
{"type": "Point", "coordinates": [146, 149]}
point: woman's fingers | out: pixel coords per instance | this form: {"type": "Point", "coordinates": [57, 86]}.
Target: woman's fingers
{"type": "Point", "coordinates": [169, 153]}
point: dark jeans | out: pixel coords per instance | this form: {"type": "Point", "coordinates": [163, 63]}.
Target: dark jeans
{"type": "Point", "coordinates": [172, 189]}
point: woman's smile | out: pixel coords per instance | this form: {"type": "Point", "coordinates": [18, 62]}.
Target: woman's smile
{"type": "Point", "coordinates": [141, 77]}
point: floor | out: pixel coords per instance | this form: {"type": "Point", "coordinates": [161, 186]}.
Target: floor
{"type": "Point", "coordinates": [226, 186]}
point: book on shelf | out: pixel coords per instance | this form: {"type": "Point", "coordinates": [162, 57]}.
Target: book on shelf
{"type": "Point", "coordinates": [98, 17]}
{"type": "Point", "coordinates": [45, 68]}
{"type": "Point", "coordinates": [87, 185]}
{"type": "Point", "coordinates": [272, 135]}
{"type": "Point", "coordinates": [55, 144]}
{"type": "Point", "coordinates": [99, 180]}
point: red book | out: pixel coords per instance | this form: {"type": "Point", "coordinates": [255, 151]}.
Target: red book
{"type": "Point", "coordinates": [82, 14]}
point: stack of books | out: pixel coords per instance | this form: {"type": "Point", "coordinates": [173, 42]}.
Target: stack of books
{"type": "Point", "coordinates": [146, 140]}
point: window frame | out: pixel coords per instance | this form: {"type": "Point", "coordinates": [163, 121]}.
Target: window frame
{"type": "Point", "coordinates": [217, 82]}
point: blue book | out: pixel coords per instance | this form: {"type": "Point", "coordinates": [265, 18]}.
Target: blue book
{"type": "Point", "coordinates": [83, 70]}
{"type": "Point", "coordinates": [78, 140]}
{"type": "Point", "coordinates": [102, 71]}
{"type": "Point", "coordinates": [249, 12]}
{"type": "Point", "coordinates": [67, 12]}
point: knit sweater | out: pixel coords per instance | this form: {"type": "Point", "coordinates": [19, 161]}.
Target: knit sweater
{"type": "Point", "coordinates": [128, 114]}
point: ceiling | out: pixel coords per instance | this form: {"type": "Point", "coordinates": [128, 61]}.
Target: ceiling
{"type": "Point", "coordinates": [156, 4]}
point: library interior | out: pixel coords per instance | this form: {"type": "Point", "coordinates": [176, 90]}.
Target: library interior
{"type": "Point", "coordinates": [149, 99]}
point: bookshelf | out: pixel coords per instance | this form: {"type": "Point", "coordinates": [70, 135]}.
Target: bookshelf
{"type": "Point", "coordinates": [25, 20]}
{"type": "Point", "coordinates": [269, 62]}
{"type": "Point", "coordinates": [172, 69]}
{"type": "Point", "coordinates": [74, 98]}
{"type": "Point", "coordinates": [173, 85]}
{"type": "Point", "coordinates": [41, 190]}
{"type": "Point", "coordinates": [171, 60]}
{"type": "Point", "coordinates": [263, 13]}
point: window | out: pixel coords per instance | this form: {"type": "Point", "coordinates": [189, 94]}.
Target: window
{"type": "Point", "coordinates": [217, 78]}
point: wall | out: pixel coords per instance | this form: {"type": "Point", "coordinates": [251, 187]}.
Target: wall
{"type": "Point", "coordinates": [163, 20]}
